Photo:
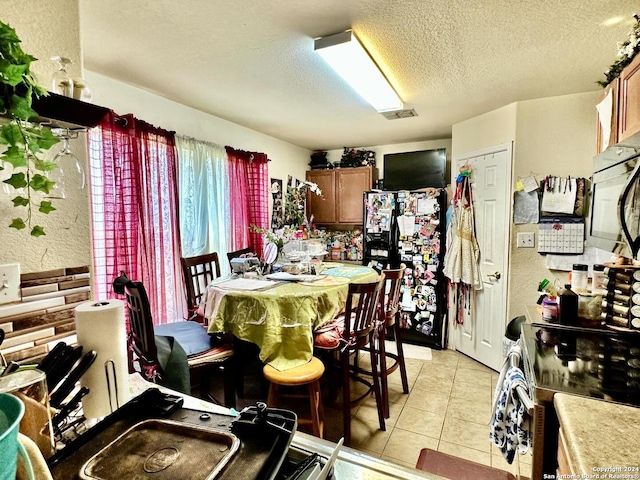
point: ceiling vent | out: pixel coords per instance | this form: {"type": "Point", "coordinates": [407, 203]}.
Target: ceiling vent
{"type": "Point", "coordinates": [396, 114]}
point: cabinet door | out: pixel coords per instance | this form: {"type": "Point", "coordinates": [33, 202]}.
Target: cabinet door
{"type": "Point", "coordinates": [351, 185]}
{"type": "Point", "coordinates": [322, 208]}
{"type": "Point", "coordinates": [629, 117]}
{"type": "Point", "coordinates": [611, 96]}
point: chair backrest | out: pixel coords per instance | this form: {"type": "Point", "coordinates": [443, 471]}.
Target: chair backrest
{"type": "Point", "coordinates": [390, 298]}
{"type": "Point", "coordinates": [141, 323]}
{"type": "Point", "coordinates": [198, 273]}
{"type": "Point", "coordinates": [361, 310]}
{"type": "Point", "coordinates": [238, 253]}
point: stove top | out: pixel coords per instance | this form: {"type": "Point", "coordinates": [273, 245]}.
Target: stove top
{"type": "Point", "coordinates": [154, 437]}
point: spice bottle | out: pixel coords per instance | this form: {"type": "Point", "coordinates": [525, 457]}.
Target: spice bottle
{"type": "Point", "coordinates": [567, 306]}
{"type": "Point", "coordinates": [579, 280]}
{"type": "Point", "coordinates": [597, 280]}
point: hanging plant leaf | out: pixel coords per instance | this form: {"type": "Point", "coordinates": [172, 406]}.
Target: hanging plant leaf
{"type": "Point", "coordinates": [46, 207]}
{"type": "Point", "coordinates": [44, 165]}
{"type": "Point", "coordinates": [17, 180]}
{"type": "Point", "coordinates": [41, 183]}
{"type": "Point", "coordinates": [17, 223]}
{"type": "Point", "coordinates": [10, 134]}
{"type": "Point", "coordinates": [46, 139]}
{"type": "Point", "coordinates": [21, 107]}
{"type": "Point", "coordinates": [20, 201]}
{"type": "Point", "coordinates": [12, 74]}
{"type": "Point", "coordinates": [15, 156]}
{"type": "Point", "coordinates": [37, 231]}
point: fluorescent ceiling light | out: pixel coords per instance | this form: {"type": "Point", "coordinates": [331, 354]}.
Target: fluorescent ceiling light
{"type": "Point", "coordinates": [347, 56]}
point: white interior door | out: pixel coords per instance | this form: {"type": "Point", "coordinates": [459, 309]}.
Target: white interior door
{"type": "Point", "coordinates": [480, 337]}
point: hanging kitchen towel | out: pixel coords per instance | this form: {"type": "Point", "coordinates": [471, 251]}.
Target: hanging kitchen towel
{"type": "Point", "coordinates": [510, 425]}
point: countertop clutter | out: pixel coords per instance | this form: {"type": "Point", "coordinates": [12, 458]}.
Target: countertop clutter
{"type": "Point", "coordinates": [599, 438]}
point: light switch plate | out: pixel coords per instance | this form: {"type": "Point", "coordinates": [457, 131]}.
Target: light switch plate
{"type": "Point", "coordinates": [526, 240]}
{"type": "Point", "coordinates": [10, 283]}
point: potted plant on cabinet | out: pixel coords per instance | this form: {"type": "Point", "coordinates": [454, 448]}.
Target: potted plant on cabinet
{"type": "Point", "coordinates": [23, 141]}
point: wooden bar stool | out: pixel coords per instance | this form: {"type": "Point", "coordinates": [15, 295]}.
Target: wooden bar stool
{"type": "Point", "coordinates": [307, 374]}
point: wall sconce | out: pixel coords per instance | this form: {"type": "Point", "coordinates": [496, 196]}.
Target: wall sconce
{"type": "Point", "coordinates": [346, 55]}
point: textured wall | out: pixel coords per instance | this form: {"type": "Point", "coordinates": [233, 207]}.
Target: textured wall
{"type": "Point", "coordinates": [554, 136]}
{"type": "Point", "coordinates": [48, 28]}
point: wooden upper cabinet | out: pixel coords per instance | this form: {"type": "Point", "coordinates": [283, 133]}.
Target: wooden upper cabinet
{"type": "Point", "coordinates": [629, 100]}
{"type": "Point", "coordinates": [609, 97]}
{"type": "Point", "coordinates": [351, 185]}
{"type": "Point", "coordinates": [342, 194]}
{"type": "Point", "coordinates": [323, 208]}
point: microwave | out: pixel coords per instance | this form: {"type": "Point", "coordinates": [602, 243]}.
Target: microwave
{"type": "Point", "coordinates": [614, 217]}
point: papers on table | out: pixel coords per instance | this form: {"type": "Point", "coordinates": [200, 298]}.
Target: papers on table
{"type": "Point", "coordinates": [245, 284]}
{"type": "Point", "coordinates": [288, 277]}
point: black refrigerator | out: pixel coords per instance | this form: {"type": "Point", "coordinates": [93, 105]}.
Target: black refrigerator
{"type": "Point", "coordinates": [409, 227]}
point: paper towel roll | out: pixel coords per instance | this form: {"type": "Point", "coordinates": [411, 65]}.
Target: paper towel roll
{"type": "Point", "coordinates": [100, 326]}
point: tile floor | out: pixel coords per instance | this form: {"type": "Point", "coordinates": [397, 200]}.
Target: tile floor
{"type": "Point", "coordinates": [447, 409]}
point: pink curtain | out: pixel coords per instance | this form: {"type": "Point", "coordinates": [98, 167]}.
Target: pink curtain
{"type": "Point", "coordinates": [248, 185]}
{"type": "Point", "coordinates": [134, 212]}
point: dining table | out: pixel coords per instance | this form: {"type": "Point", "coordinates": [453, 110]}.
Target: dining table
{"type": "Point", "coordinates": [281, 316]}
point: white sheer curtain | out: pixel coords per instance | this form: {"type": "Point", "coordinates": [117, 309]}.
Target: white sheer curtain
{"type": "Point", "coordinates": [203, 190]}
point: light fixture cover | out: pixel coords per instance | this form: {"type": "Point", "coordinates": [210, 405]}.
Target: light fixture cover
{"type": "Point", "coordinates": [352, 62]}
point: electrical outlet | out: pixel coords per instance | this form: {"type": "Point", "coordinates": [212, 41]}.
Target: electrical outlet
{"type": "Point", "coordinates": [526, 240]}
{"type": "Point", "coordinates": [10, 283]}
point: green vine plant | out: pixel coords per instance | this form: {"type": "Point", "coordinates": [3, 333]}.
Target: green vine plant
{"type": "Point", "coordinates": [24, 141]}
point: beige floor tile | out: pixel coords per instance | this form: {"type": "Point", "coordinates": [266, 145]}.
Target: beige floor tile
{"type": "Point", "coordinates": [441, 386]}
{"type": "Point", "coordinates": [421, 421]}
{"type": "Point", "coordinates": [369, 452]}
{"type": "Point", "coordinates": [478, 392]}
{"type": "Point", "coordinates": [428, 400]}
{"type": "Point", "coordinates": [527, 458]}
{"type": "Point", "coordinates": [465, 433]}
{"type": "Point", "coordinates": [467, 362]}
{"type": "Point", "coordinates": [472, 377]}
{"type": "Point", "coordinates": [445, 357]}
{"type": "Point", "coordinates": [437, 370]}
{"type": "Point", "coordinates": [483, 458]}
{"type": "Point", "coordinates": [367, 435]}
{"type": "Point", "coordinates": [469, 409]}
{"type": "Point", "coordinates": [369, 413]}
{"type": "Point", "coordinates": [405, 446]}
{"type": "Point", "coordinates": [399, 462]}
{"type": "Point", "coordinates": [396, 379]}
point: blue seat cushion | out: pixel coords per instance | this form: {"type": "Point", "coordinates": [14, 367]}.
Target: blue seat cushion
{"type": "Point", "coordinates": [191, 336]}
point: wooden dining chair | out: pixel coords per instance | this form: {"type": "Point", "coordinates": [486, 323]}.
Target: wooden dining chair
{"type": "Point", "coordinates": [387, 319]}
{"type": "Point", "coordinates": [192, 337]}
{"type": "Point", "coordinates": [199, 271]}
{"type": "Point", "coordinates": [356, 328]}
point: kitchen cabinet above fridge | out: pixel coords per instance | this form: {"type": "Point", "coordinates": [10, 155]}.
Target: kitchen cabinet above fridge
{"type": "Point", "coordinates": [342, 190]}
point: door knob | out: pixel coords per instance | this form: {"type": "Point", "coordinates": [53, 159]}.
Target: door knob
{"type": "Point", "coordinates": [494, 275]}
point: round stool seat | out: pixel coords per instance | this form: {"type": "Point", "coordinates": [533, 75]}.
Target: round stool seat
{"type": "Point", "coordinates": [307, 373]}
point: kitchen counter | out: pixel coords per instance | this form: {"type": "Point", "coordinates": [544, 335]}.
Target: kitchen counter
{"type": "Point", "coordinates": [599, 435]}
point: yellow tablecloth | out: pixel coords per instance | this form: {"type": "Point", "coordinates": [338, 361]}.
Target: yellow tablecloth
{"type": "Point", "coordinates": [281, 320]}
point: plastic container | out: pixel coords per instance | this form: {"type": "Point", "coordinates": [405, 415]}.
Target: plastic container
{"type": "Point", "coordinates": [567, 306]}
{"type": "Point", "coordinates": [11, 412]}
{"type": "Point", "coordinates": [597, 279]}
{"type": "Point", "coordinates": [579, 280]}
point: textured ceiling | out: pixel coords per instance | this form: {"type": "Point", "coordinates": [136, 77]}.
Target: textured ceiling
{"type": "Point", "coordinates": [252, 62]}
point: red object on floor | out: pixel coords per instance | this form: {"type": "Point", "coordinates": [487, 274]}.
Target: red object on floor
{"type": "Point", "coordinates": [456, 468]}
